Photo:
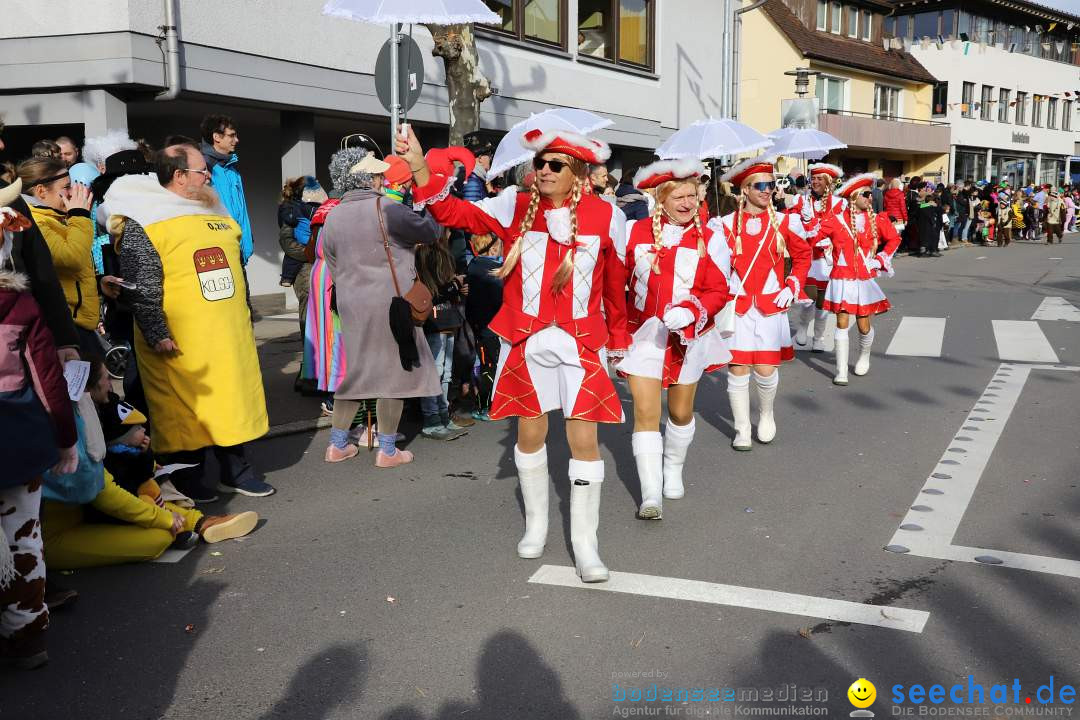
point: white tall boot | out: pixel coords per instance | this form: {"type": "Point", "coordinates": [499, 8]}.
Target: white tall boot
{"type": "Point", "coordinates": [534, 482]}
{"type": "Point", "coordinates": [766, 392]}
{"type": "Point", "coordinates": [805, 313]}
{"type": "Point", "coordinates": [738, 390]}
{"type": "Point", "coordinates": [821, 321]}
{"type": "Point", "coordinates": [586, 479]}
{"type": "Point", "coordinates": [862, 360]}
{"type": "Point", "coordinates": [677, 439]}
{"type": "Point", "coordinates": [649, 455]}
{"type": "Point", "coordinates": [843, 343]}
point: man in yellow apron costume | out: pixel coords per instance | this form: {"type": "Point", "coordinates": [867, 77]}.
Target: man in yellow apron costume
{"type": "Point", "coordinates": [194, 341]}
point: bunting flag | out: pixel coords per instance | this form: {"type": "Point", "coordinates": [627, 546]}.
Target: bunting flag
{"type": "Point", "coordinates": [1012, 47]}
{"type": "Point", "coordinates": [967, 46]}
{"type": "Point", "coordinates": [964, 37]}
{"type": "Point", "coordinates": [1059, 46]}
{"type": "Point", "coordinates": [1052, 26]}
{"type": "Point", "coordinates": [887, 42]}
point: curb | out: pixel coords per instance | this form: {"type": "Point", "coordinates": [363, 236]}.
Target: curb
{"type": "Point", "coordinates": [296, 427]}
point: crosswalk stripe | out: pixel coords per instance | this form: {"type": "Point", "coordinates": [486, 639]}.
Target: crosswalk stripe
{"type": "Point", "coordinates": [1022, 341]}
{"type": "Point", "coordinates": [918, 336]}
{"type": "Point", "coordinates": [1056, 308]}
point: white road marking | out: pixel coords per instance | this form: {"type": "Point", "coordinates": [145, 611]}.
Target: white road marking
{"type": "Point", "coordinates": [717, 594]}
{"type": "Point", "coordinates": [1057, 308]}
{"type": "Point", "coordinates": [930, 525]}
{"type": "Point", "coordinates": [918, 336]}
{"type": "Point", "coordinates": [1022, 341]}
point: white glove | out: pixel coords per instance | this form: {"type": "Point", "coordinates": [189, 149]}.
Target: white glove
{"type": "Point", "coordinates": [807, 211]}
{"type": "Point", "coordinates": [677, 318]}
{"type": "Point", "coordinates": [824, 244]}
{"type": "Point", "coordinates": [875, 264]}
{"type": "Point", "coordinates": [785, 298]}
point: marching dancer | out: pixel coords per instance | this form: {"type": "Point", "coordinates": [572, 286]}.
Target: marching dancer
{"type": "Point", "coordinates": [677, 276]}
{"type": "Point", "coordinates": [758, 239]}
{"type": "Point", "coordinates": [815, 208]}
{"type": "Point", "coordinates": [561, 268]}
{"type": "Point", "coordinates": [858, 257]}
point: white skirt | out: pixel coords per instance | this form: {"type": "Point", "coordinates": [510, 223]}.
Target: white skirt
{"type": "Point", "coordinates": [818, 276]}
{"type": "Point", "coordinates": [648, 352]}
{"type": "Point", "coordinates": [857, 297]}
{"type": "Point", "coordinates": [761, 339]}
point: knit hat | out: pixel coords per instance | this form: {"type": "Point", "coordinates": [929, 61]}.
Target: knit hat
{"type": "Point", "coordinates": [398, 171]}
{"type": "Point", "coordinates": [313, 191]}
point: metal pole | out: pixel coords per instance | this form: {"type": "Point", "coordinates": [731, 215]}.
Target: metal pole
{"type": "Point", "coordinates": [725, 66]}
{"type": "Point", "coordinates": [395, 84]}
{"type": "Point", "coordinates": [736, 41]}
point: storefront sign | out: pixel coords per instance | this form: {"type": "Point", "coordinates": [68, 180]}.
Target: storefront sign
{"type": "Point", "coordinates": [1022, 138]}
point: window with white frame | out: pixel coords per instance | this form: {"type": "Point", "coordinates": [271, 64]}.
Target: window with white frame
{"type": "Point", "coordinates": [1066, 115]}
{"type": "Point", "coordinates": [830, 91]}
{"type": "Point", "coordinates": [867, 26]}
{"type": "Point", "coordinates": [1021, 108]}
{"type": "Point", "coordinates": [886, 102]}
{"type": "Point", "coordinates": [986, 103]}
{"type": "Point", "coordinates": [835, 18]}
{"type": "Point", "coordinates": [853, 22]}
{"type": "Point", "coordinates": [1003, 105]}
{"type": "Point", "coordinates": [1036, 111]}
{"type": "Point", "coordinates": [1051, 113]}
{"type": "Point", "coordinates": [822, 14]}
{"type": "Point", "coordinates": [967, 100]}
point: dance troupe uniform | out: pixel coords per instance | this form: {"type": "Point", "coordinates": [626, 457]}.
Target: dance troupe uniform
{"type": "Point", "coordinates": [813, 212]}
{"type": "Point", "coordinates": [554, 343]}
{"type": "Point", "coordinates": [686, 268]}
{"type": "Point", "coordinates": [857, 258]}
{"type": "Point", "coordinates": [762, 336]}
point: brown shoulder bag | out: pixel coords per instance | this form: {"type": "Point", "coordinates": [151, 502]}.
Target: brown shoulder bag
{"type": "Point", "coordinates": [418, 296]}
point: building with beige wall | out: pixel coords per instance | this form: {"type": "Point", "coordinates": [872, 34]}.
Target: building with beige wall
{"type": "Point", "coordinates": [877, 101]}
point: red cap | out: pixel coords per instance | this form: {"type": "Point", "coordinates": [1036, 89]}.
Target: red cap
{"type": "Point", "coordinates": [662, 171]}
{"type": "Point", "coordinates": [594, 152]}
{"type": "Point", "coordinates": [739, 172]}
{"type": "Point", "coordinates": [825, 169]}
{"type": "Point", "coordinates": [859, 182]}
{"type": "Point", "coordinates": [398, 173]}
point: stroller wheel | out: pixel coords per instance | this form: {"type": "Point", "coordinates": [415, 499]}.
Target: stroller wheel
{"type": "Point", "coordinates": [116, 360]}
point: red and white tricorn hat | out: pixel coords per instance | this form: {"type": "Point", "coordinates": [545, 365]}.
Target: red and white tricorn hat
{"type": "Point", "coordinates": [859, 182]}
{"type": "Point", "coordinates": [593, 152]}
{"type": "Point", "coordinates": [740, 171]}
{"type": "Point", "coordinates": [662, 171]}
{"type": "Point", "coordinates": [825, 169]}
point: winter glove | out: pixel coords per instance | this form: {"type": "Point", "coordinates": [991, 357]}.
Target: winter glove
{"type": "Point", "coordinates": [807, 211]}
{"type": "Point", "coordinates": [677, 318]}
{"type": "Point", "coordinates": [785, 297]}
{"type": "Point", "coordinates": [875, 264]}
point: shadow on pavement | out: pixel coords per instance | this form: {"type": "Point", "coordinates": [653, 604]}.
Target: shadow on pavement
{"type": "Point", "coordinates": [330, 678]}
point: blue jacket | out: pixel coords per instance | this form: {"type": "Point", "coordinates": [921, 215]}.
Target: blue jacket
{"type": "Point", "coordinates": [225, 176]}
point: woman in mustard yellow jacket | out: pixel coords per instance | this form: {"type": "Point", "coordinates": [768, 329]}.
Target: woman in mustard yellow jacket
{"type": "Point", "coordinates": [62, 213]}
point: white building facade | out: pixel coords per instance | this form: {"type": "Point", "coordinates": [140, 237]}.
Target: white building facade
{"type": "Point", "coordinates": [1008, 82]}
{"type": "Point", "coordinates": [296, 82]}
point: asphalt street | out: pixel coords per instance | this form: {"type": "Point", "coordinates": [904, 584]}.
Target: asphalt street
{"type": "Point", "coordinates": [397, 594]}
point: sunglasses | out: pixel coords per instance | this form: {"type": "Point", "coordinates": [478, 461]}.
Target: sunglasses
{"type": "Point", "coordinates": [555, 165]}
{"type": "Point", "coordinates": [866, 194]}
{"type": "Point", "coordinates": [764, 186]}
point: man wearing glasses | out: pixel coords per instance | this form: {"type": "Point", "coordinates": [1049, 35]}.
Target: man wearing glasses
{"type": "Point", "coordinates": [195, 346]}
{"type": "Point", "coordinates": [219, 141]}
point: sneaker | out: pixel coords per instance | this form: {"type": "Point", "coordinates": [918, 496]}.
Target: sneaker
{"type": "Point", "coordinates": [462, 428]}
{"type": "Point", "coordinates": [251, 487]}
{"type": "Point", "coordinates": [184, 541]}
{"type": "Point", "coordinates": [334, 454]}
{"type": "Point", "coordinates": [460, 421]}
{"type": "Point", "coordinates": [327, 407]}
{"type": "Point", "coordinates": [481, 416]}
{"type": "Point", "coordinates": [200, 495]}
{"type": "Point", "coordinates": [57, 597]}
{"type": "Point", "coordinates": [215, 528]}
{"type": "Point", "coordinates": [401, 457]}
{"type": "Point", "coordinates": [437, 432]}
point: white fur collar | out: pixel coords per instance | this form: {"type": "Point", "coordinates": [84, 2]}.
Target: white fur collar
{"type": "Point", "coordinates": [144, 200]}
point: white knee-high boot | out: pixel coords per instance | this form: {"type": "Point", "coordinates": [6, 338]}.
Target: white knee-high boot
{"type": "Point", "coordinates": [649, 455]}
{"type": "Point", "coordinates": [738, 390]}
{"type": "Point", "coordinates": [842, 345]}
{"type": "Point", "coordinates": [677, 439]}
{"type": "Point", "coordinates": [862, 360]}
{"type": "Point", "coordinates": [766, 392]}
{"type": "Point", "coordinates": [821, 321]}
{"type": "Point", "coordinates": [804, 314]}
{"type": "Point", "coordinates": [534, 482]}
{"type": "Point", "coordinates": [586, 479]}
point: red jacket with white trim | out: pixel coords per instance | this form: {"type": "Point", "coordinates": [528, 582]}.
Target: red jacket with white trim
{"type": "Point", "coordinates": [762, 279]}
{"type": "Point", "coordinates": [851, 262]}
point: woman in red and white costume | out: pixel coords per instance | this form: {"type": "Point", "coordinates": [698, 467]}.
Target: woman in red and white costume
{"type": "Point", "coordinates": [858, 257]}
{"type": "Point", "coordinates": [563, 315]}
{"type": "Point", "coordinates": [758, 238]}
{"type": "Point", "coordinates": [678, 283]}
{"type": "Point", "coordinates": [814, 208]}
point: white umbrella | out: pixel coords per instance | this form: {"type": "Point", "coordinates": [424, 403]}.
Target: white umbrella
{"type": "Point", "coordinates": [712, 138]}
{"type": "Point", "coordinates": [511, 153]}
{"type": "Point", "coordinates": [388, 12]}
{"type": "Point", "coordinates": [395, 13]}
{"type": "Point", "coordinates": [803, 143]}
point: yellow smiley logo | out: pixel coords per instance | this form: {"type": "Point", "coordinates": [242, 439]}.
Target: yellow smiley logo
{"type": "Point", "coordinates": [862, 693]}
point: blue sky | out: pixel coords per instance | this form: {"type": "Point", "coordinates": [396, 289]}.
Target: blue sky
{"type": "Point", "coordinates": [1071, 6]}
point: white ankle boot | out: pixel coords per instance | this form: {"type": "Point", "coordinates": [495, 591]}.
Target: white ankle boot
{"type": "Point", "coordinates": [739, 397]}
{"type": "Point", "coordinates": [585, 518]}
{"type": "Point", "coordinates": [842, 344]}
{"type": "Point", "coordinates": [677, 439]}
{"type": "Point", "coordinates": [766, 392]}
{"type": "Point", "coordinates": [649, 455]}
{"type": "Point", "coordinates": [821, 322]}
{"type": "Point", "coordinates": [534, 482]}
{"type": "Point", "coordinates": [862, 360]}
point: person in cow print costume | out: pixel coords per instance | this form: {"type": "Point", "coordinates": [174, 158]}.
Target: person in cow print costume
{"type": "Point", "coordinates": [759, 239]}
{"type": "Point", "coordinates": [814, 209]}
{"type": "Point", "coordinates": [563, 316]}
{"type": "Point", "coordinates": [677, 271]}
{"type": "Point", "coordinates": [862, 247]}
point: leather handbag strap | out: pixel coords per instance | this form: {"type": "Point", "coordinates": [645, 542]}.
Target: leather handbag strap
{"type": "Point", "coordinates": [386, 244]}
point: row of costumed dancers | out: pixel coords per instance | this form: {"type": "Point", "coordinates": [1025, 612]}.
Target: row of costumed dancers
{"type": "Point", "coordinates": [661, 300]}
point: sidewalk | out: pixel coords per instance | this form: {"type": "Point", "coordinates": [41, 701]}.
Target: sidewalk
{"type": "Point", "coordinates": [278, 340]}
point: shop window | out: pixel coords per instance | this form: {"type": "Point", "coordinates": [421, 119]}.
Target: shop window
{"type": "Point", "coordinates": [822, 14]}
{"type": "Point", "coordinates": [886, 102]}
{"type": "Point", "coordinates": [968, 100]}
{"type": "Point", "coordinates": [538, 21]}
{"type": "Point", "coordinates": [986, 106]}
{"type": "Point", "coordinates": [941, 99]}
{"type": "Point", "coordinates": [1003, 105]}
{"type": "Point", "coordinates": [830, 91]}
{"type": "Point", "coordinates": [1021, 108]}
{"type": "Point", "coordinates": [620, 31]}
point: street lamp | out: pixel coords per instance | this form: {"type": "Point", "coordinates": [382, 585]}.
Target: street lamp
{"type": "Point", "coordinates": [802, 80]}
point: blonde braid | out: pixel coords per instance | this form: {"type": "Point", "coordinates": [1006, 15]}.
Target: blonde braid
{"type": "Point", "coordinates": [657, 233]}
{"type": "Point", "coordinates": [566, 267]}
{"type": "Point", "coordinates": [781, 247]}
{"type": "Point", "coordinates": [738, 224]}
{"type": "Point", "coordinates": [700, 235]}
{"type": "Point", "coordinates": [514, 255]}
{"type": "Point", "coordinates": [872, 219]}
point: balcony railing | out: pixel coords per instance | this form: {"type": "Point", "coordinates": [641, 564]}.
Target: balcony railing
{"type": "Point", "coordinates": [898, 134]}
{"type": "Point", "coordinates": [876, 116]}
